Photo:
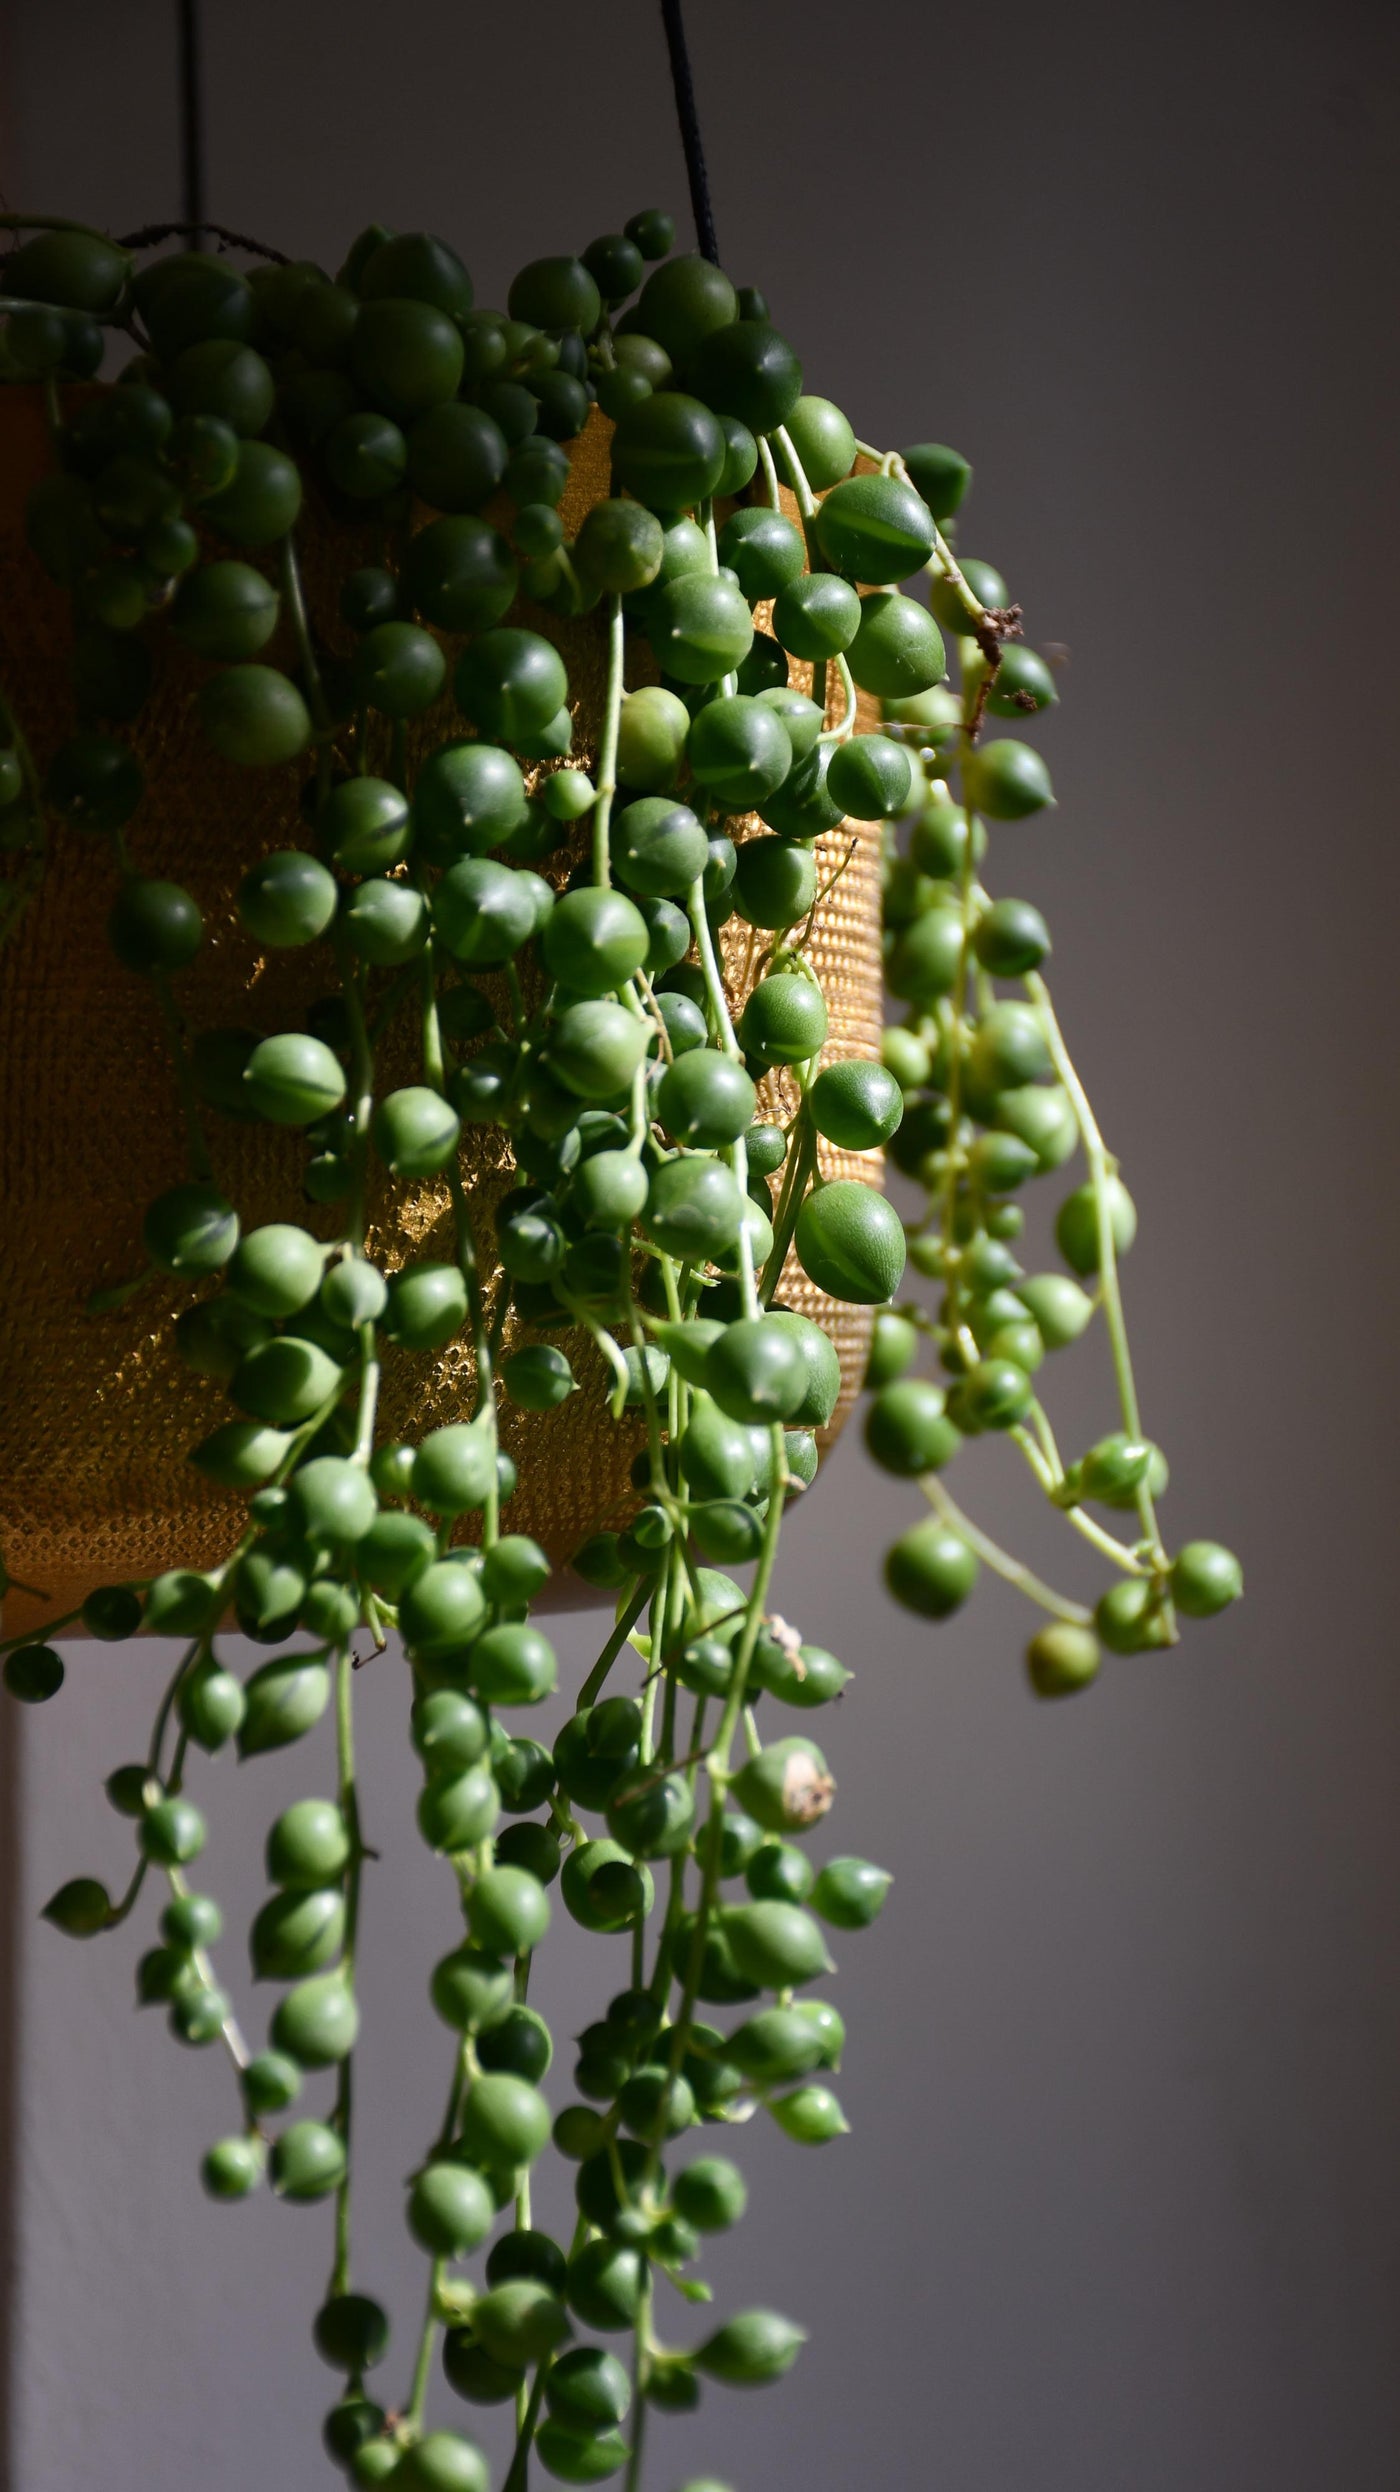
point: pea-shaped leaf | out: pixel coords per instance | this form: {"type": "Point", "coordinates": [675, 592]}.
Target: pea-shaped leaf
{"type": "Point", "coordinates": [285, 1699]}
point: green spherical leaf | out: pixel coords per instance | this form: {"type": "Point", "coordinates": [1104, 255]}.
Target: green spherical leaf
{"type": "Point", "coordinates": [285, 1699]}
{"type": "Point", "coordinates": [856, 1105]}
{"type": "Point", "coordinates": [83, 271]}
{"type": "Point", "coordinates": [763, 549]}
{"type": "Point", "coordinates": [775, 883]}
{"type": "Point", "coordinates": [287, 899]}
{"type": "Point", "coordinates": [898, 651]}
{"type": "Point", "coordinates": [824, 442]}
{"type": "Point", "coordinates": [317, 2023]}
{"type": "Point", "coordinates": [681, 303]}
{"type": "Point", "coordinates": [907, 1429]}
{"type": "Point", "coordinates": [931, 1570]}
{"type": "Point", "coordinates": [758, 1372]}
{"type": "Point", "coordinates": [296, 1934]}
{"type": "Point", "coordinates": [232, 2168]}
{"type": "Point", "coordinates": [784, 1020]}
{"type": "Point", "coordinates": [786, 1787]}
{"type": "Point", "coordinates": [225, 610]}
{"type": "Point", "coordinates": [747, 369]}
{"type": "Point", "coordinates": [513, 1665]}
{"type": "Point", "coordinates": [307, 2161]}
{"type": "Point", "coordinates": [262, 499]}
{"type": "Point", "coordinates": [171, 1833]}
{"type": "Point", "coordinates": [450, 2209]}
{"type": "Point", "coordinates": [850, 1894]}
{"type": "Point", "coordinates": [817, 615]}
{"type": "Point", "coordinates": [606, 2284]}
{"type": "Point", "coordinates": [652, 733]}
{"type": "Point", "coordinates": [875, 528]}
{"type": "Point", "coordinates": [33, 1673]}
{"type": "Point", "coordinates": [459, 1811]}
{"type": "Point", "coordinates": [398, 669]}
{"type": "Point", "coordinates": [511, 684]}
{"type": "Point", "coordinates": [80, 1909]}
{"type": "Point", "coordinates": [285, 1381]}
{"type": "Point", "coordinates": [154, 926]}
{"type": "Point", "coordinates": [470, 1991]}
{"type": "Point", "coordinates": [453, 1470]}
{"type": "Point", "coordinates": [940, 475]}
{"type": "Point", "coordinates": [668, 451]}
{"type": "Point", "coordinates": [1205, 1578]}
{"type": "Point", "coordinates": [270, 2082]}
{"type": "Point", "coordinates": [1078, 1229]}
{"type": "Point", "coordinates": [406, 355]}
{"type": "Point", "coordinates": [1006, 780]}
{"type": "Point", "coordinates": [211, 1704]}
{"type": "Point", "coordinates": [421, 269]}
{"type": "Point", "coordinates": [850, 1241]}
{"type": "Point", "coordinates": [694, 1208]}
{"type": "Point", "coordinates": [415, 1132]}
{"type": "Point", "coordinates": [811, 2115]}
{"type": "Point", "coordinates": [1062, 1658]}
{"type": "Point", "coordinates": [190, 1231]}
{"type": "Point", "coordinates": [754, 2347]}
{"type": "Point", "coordinates": [1132, 1617]}
{"type": "Point", "coordinates": [293, 1079]}
{"type": "Point", "coordinates": [870, 778]}
{"type": "Point", "coordinates": [460, 574]}
{"type": "Point", "coordinates": [619, 548]}
{"type": "Point", "coordinates": [505, 2121]}
{"type": "Point", "coordinates": [700, 627]}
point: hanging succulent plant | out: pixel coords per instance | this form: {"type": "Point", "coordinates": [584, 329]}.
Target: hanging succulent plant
{"type": "Point", "coordinates": [488, 733]}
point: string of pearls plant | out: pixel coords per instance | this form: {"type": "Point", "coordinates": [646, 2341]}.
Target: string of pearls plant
{"type": "Point", "coordinates": [548, 939]}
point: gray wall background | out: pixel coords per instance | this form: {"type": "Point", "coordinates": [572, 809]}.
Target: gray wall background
{"type": "Point", "coordinates": [1120, 2206]}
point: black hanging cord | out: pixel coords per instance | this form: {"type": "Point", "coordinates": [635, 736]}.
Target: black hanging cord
{"type": "Point", "coordinates": [689, 120]}
{"type": "Point", "coordinates": [192, 198]}
{"type": "Point", "coordinates": [193, 224]}
{"type": "Point", "coordinates": [147, 236]}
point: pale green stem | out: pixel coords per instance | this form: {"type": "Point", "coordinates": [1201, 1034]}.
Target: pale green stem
{"type": "Point", "coordinates": [1100, 1170]}
{"type": "Point", "coordinates": [802, 1160]}
{"type": "Point", "coordinates": [718, 1758]}
{"type": "Point", "coordinates": [942, 565]}
{"type": "Point", "coordinates": [1001, 1563]}
{"type": "Point", "coordinates": [361, 1097]}
{"type": "Point", "coordinates": [230, 2033]}
{"type": "Point", "coordinates": [967, 884]}
{"type": "Point", "coordinates": [519, 2475]}
{"type": "Point", "coordinates": [633, 2476]}
{"type": "Point", "coordinates": [1098, 1538]}
{"type": "Point", "coordinates": [597, 1677]}
{"type": "Point", "coordinates": [845, 726]}
{"type": "Point", "coordinates": [470, 1266]}
{"type": "Point", "coordinates": [296, 607]}
{"type": "Point", "coordinates": [607, 745]}
{"type": "Point", "coordinates": [806, 499]}
{"type": "Point", "coordinates": [729, 1045]}
{"type": "Point", "coordinates": [422, 2369]}
{"type": "Point", "coordinates": [369, 1394]}
{"type": "Point", "coordinates": [714, 983]}
{"type": "Point", "coordinates": [345, 2078]}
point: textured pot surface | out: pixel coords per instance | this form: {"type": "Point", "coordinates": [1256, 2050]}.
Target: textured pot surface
{"type": "Point", "coordinates": [97, 1413]}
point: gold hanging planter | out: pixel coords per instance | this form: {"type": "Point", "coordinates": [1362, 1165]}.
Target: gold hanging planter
{"type": "Point", "coordinates": [97, 1412]}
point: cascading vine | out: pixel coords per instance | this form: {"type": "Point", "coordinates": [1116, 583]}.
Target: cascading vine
{"type": "Point", "coordinates": [515, 944]}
